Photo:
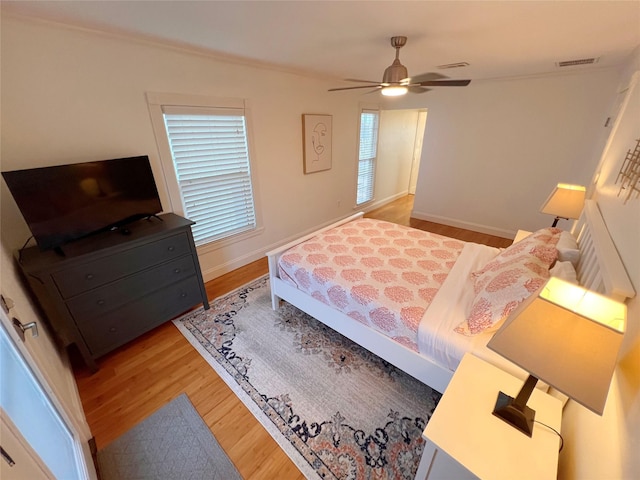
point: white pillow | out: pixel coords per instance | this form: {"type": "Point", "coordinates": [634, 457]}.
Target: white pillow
{"type": "Point", "coordinates": [567, 240]}
{"type": "Point", "coordinates": [568, 249]}
{"type": "Point", "coordinates": [565, 271]}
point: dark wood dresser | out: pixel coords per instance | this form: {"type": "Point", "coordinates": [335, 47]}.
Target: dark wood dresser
{"type": "Point", "coordinates": [109, 288]}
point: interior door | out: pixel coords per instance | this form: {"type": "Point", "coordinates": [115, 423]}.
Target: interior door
{"type": "Point", "coordinates": [19, 461]}
{"type": "Point", "coordinates": [43, 442]}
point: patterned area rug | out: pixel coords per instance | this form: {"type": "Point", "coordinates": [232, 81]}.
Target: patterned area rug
{"type": "Point", "coordinates": [172, 444]}
{"type": "Point", "coordinates": [336, 409]}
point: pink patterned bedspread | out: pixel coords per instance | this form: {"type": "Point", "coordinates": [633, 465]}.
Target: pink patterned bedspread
{"type": "Point", "coordinates": [381, 274]}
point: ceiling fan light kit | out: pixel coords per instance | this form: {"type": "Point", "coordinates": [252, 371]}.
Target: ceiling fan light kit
{"type": "Point", "coordinates": [396, 80]}
{"type": "Point", "coordinates": [394, 91]}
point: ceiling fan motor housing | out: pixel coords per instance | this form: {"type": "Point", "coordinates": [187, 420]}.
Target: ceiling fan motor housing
{"type": "Point", "coordinates": [395, 73]}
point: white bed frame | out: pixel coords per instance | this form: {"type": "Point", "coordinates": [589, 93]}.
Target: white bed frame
{"type": "Point", "coordinates": [600, 269]}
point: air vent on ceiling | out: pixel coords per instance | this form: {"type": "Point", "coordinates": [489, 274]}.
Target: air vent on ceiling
{"type": "Point", "coordinates": [453, 65]}
{"type": "Point", "coordinates": [581, 61]}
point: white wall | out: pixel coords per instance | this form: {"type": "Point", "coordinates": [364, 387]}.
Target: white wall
{"type": "Point", "coordinates": [71, 95]}
{"type": "Point", "coordinates": [494, 150]}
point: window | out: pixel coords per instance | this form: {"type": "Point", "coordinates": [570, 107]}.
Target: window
{"type": "Point", "coordinates": [367, 155]}
{"type": "Point", "coordinates": [211, 171]}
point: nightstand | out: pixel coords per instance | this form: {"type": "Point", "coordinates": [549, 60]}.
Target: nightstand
{"type": "Point", "coordinates": [465, 441]}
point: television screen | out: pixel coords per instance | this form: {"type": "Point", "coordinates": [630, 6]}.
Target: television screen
{"type": "Point", "coordinates": [67, 202]}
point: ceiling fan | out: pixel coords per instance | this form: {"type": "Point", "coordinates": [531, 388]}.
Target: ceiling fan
{"type": "Point", "coordinates": [396, 80]}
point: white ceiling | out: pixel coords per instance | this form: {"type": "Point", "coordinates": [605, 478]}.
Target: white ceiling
{"type": "Point", "coordinates": [350, 39]}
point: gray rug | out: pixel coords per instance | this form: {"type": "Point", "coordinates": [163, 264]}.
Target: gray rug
{"type": "Point", "coordinates": [173, 443]}
{"type": "Point", "coordinates": [336, 409]}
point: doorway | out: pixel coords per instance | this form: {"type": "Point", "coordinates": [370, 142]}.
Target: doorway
{"type": "Point", "coordinates": [400, 140]}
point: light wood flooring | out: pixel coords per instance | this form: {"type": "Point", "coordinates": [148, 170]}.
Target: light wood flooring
{"type": "Point", "coordinates": [142, 376]}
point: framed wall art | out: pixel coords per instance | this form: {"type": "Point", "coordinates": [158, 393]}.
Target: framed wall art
{"type": "Point", "coordinates": [629, 175]}
{"type": "Point", "coordinates": [316, 142]}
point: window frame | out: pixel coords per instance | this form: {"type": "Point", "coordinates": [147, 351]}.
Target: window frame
{"type": "Point", "coordinates": [156, 102]}
{"type": "Point", "coordinates": [366, 109]}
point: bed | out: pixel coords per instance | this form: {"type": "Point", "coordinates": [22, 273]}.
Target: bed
{"type": "Point", "coordinates": [426, 308]}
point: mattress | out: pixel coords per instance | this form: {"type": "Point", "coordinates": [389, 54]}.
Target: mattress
{"type": "Point", "coordinates": [379, 273]}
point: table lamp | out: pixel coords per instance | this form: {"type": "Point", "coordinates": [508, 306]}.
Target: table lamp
{"type": "Point", "coordinates": [566, 336]}
{"type": "Point", "coordinates": [566, 201]}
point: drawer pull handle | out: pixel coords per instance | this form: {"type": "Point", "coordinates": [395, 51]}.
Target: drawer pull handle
{"type": "Point", "coordinates": [89, 276]}
{"type": "Point", "coordinates": [183, 295]}
{"type": "Point", "coordinates": [171, 248]}
{"type": "Point", "coordinates": [113, 330]}
{"type": "Point", "coordinates": [100, 302]}
{"type": "Point", "coordinates": [176, 270]}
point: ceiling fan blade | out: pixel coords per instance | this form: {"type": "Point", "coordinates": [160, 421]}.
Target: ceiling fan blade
{"type": "Point", "coordinates": [426, 77]}
{"type": "Point", "coordinates": [351, 88]}
{"type": "Point", "coordinates": [359, 81]}
{"type": "Point", "coordinates": [445, 83]}
{"type": "Point", "coordinates": [419, 89]}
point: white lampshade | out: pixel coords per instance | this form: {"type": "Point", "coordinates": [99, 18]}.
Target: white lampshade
{"type": "Point", "coordinates": [568, 337]}
{"type": "Point", "coordinates": [565, 201]}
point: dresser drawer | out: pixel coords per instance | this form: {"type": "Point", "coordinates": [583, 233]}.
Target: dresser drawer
{"type": "Point", "coordinates": [89, 305]}
{"type": "Point", "coordinates": [81, 278]}
{"type": "Point", "coordinates": [116, 328]}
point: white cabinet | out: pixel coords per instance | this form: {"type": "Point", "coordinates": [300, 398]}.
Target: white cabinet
{"type": "Point", "coordinates": [438, 465]}
{"type": "Point", "coordinates": [465, 441]}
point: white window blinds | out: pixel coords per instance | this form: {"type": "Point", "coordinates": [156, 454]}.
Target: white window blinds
{"type": "Point", "coordinates": [211, 159]}
{"type": "Point", "coordinates": [367, 155]}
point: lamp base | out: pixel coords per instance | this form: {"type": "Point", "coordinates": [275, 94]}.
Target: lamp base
{"type": "Point", "coordinates": [555, 220]}
{"type": "Point", "coordinates": [518, 417]}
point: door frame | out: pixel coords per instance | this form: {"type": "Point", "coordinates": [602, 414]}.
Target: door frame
{"type": "Point", "coordinates": [421, 125]}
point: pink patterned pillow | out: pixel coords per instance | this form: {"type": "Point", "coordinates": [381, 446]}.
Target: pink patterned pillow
{"type": "Point", "coordinates": [544, 235]}
{"type": "Point", "coordinates": [500, 290]}
{"type": "Point", "coordinates": [540, 244]}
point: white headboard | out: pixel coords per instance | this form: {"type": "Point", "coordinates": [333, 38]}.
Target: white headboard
{"type": "Point", "coordinates": [600, 268]}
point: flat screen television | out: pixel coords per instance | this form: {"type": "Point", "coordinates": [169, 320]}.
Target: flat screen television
{"type": "Point", "coordinates": [67, 202]}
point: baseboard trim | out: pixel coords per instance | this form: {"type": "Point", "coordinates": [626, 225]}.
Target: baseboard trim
{"type": "Point", "coordinates": [380, 203]}
{"type": "Point", "coordinates": [476, 227]}
{"type": "Point", "coordinates": [219, 270]}
{"type": "Point", "coordinates": [93, 448]}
